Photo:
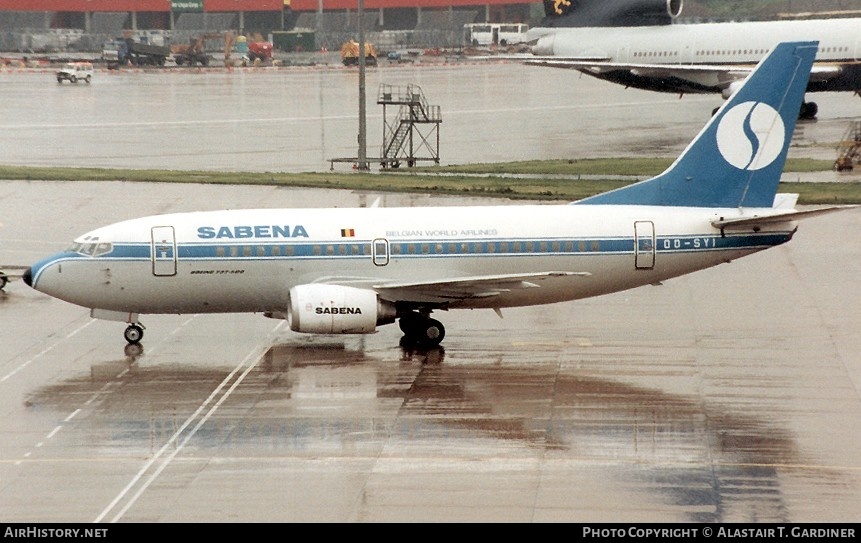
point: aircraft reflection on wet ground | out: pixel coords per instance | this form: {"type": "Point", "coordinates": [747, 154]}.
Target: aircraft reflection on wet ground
{"type": "Point", "coordinates": [313, 400]}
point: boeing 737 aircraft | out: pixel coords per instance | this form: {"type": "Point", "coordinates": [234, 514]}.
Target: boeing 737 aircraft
{"type": "Point", "coordinates": [686, 58]}
{"type": "Point", "coordinates": [345, 271]}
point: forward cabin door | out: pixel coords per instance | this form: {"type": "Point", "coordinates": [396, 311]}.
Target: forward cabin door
{"type": "Point", "coordinates": [644, 245]}
{"type": "Point", "coordinates": [163, 251]}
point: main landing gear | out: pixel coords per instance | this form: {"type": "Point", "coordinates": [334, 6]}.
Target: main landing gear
{"type": "Point", "coordinates": [134, 333]}
{"type": "Point", "coordinates": [808, 111]}
{"type": "Point", "coordinates": [421, 330]}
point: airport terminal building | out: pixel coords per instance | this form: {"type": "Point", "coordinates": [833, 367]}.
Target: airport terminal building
{"type": "Point", "coordinates": [83, 25]}
{"type": "Point", "coordinates": [403, 22]}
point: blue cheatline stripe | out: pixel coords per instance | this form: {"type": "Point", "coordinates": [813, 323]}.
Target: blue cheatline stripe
{"type": "Point", "coordinates": [361, 250]}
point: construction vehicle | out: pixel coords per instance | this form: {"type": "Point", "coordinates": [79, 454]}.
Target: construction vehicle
{"type": "Point", "coordinates": [259, 51]}
{"type": "Point", "coordinates": [194, 52]}
{"type": "Point", "coordinates": [126, 51]}
{"type": "Point", "coordinates": [350, 53]}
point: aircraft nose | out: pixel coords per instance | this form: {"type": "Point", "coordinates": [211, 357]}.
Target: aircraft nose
{"type": "Point", "coordinates": [28, 277]}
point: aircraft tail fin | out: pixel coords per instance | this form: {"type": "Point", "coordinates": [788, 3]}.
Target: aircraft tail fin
{"type": "Point", "coordinates": [609, 13]}
{"type": "Point", "coordinates": [738, 157]}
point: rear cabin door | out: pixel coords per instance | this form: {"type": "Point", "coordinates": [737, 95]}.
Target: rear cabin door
{"type": "Point", "coordinates": [163, 251]}
{"type": "Point", "coordinates": [644, 245]}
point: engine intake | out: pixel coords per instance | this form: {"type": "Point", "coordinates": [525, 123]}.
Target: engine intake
{"type": "Point", "coordinates": [333, 309]}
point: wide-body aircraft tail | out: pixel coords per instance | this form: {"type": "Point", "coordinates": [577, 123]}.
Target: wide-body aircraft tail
{"type": "Point", "coordinates": [609, 13]}
{"type": "Point", "coordinates": [738, 157]}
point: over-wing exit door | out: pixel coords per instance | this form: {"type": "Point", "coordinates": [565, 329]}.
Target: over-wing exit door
{"type": "Point", "coordinates": [163, 251]}
{"type": "Point", "coordinates": [644, 245]}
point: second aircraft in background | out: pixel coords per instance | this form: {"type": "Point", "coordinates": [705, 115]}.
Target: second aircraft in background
{"type": "Point", "coordinates": [636, 43]}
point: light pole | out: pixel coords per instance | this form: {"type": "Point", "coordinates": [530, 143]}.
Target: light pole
{"type": "Point", "coordinates": [363, 144]}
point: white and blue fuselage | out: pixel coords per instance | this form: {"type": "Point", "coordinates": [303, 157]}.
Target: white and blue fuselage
{"type": "Point", "coordinates": [248, 260]}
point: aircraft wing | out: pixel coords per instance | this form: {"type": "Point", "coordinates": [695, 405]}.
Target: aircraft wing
{"type": "Point", "coordinates": [724, 74]}
{"type": "Point", "coordinates": [461, 288]}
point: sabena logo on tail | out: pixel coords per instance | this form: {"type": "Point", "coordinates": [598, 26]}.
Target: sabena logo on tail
{"type": "Point", "coordinates": [751, 135]}
{"type": "Point", "coordinates": [737, 158]}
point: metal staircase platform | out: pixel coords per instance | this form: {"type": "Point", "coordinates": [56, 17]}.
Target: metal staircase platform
{"type": "Point", "coordinates": [413, 130]}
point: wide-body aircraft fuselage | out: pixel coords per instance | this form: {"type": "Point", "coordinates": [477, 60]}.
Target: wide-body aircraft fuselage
{"type": "Point", "coordinates": [633, 56]}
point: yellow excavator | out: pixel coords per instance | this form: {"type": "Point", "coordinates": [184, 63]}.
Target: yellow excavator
{"type": "Point", "coordinates": [194, 52]}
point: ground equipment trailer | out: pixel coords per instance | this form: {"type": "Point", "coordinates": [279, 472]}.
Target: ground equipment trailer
{"type": "Point", "coordinates": [126, 51]}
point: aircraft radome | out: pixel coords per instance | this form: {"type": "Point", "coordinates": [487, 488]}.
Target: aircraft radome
{"type": "Point", "coordinates": [349, 271]}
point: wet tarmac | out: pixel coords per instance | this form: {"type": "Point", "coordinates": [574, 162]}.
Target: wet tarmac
{"type": "Point", "coordinates": [299, 118]}
{"type": "Point", "coordinates": [730, 395]}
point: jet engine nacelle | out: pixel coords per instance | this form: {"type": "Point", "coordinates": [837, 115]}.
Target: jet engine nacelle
{"type": "Point", "coordinates": [318, 308]}
{"type": "Point", "coordinates": [732, 89]}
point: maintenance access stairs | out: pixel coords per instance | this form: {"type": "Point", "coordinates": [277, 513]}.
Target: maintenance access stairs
{"type": "Point", "coordinates": [849, 149]}
{"type": "Point", "coordinates": [414, 130]}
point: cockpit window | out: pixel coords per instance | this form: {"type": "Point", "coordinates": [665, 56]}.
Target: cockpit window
{"type": "Point", "coordinates": [91, 247]}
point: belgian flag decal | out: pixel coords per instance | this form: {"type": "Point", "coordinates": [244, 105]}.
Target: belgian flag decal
{"type": "Point", "coordinates": [348, 233]}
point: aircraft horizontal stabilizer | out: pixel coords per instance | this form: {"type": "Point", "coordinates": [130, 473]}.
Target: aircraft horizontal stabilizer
{"type": "Point", "coordinates": [469, 287]}
{"type": "Point", "coordinates": [745, 222]}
